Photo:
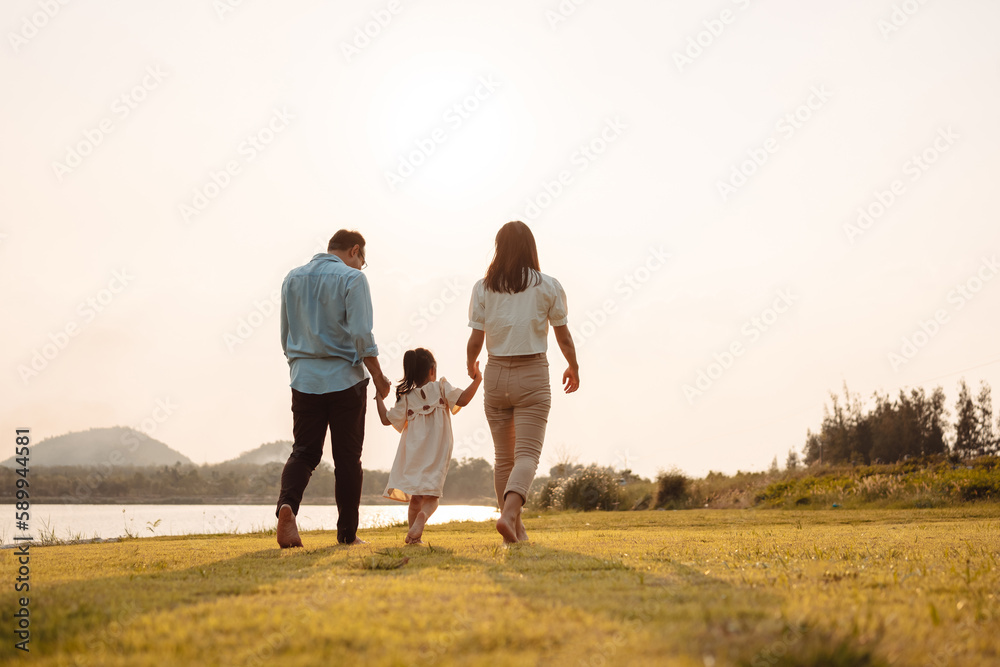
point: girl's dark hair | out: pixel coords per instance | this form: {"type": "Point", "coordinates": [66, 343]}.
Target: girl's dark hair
{"type": "Point", "coordinates": [515, 265]}
{"type": "Point", "coordinates": [417, 366]}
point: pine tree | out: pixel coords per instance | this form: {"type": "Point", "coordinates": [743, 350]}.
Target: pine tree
{"type": "Point", "coordinates": [986, 440]}
{"type": "Point", "coordinates": [966, 424]}
{"type": "Point", "coordinates": [792, 462]}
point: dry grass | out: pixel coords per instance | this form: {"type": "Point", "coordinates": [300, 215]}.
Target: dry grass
{"type": "Point", "coordinates": [698, 587]}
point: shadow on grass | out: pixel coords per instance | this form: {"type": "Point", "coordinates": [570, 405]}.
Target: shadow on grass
{"type": "Point", "coordinates": [677, 605]}
{"type": "Point", "coordinates": [73, 612]}
{"type": "Point", "coordinates": [701, 615]}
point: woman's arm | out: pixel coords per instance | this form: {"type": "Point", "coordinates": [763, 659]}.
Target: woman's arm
{"type": "Point", "coordinates": [472, 351]}
{"type": "Point", "coordinates": [470, 391]}
{"type": "Point", "coordinates": [382, 414]}
{"type": "Point", "coordinates": [571, 378]}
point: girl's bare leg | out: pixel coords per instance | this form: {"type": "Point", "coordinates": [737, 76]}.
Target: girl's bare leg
{"type": "Point", "coordinates": [419, 519]}
{"type": "Point", "coordinates": [430, 505]}
{"type": "Point", "coordinates": [413, 509]}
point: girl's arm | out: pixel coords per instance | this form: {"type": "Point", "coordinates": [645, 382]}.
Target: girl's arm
{"type": "Point", "coordinates": [470, 391]}
{"type": "Point", "coordinates": [380, 405]}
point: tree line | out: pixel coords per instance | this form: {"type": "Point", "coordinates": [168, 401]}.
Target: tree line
{"type": "Point", "coordinates": [469, 480]}
{"type": "Point", "coordinates": [896, 428]}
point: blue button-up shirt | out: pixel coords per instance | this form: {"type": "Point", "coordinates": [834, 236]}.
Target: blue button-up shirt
{"type": "Point", "coordinates": [326, 325]}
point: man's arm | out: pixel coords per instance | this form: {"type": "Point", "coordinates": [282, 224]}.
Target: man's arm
{"type": "Point", "coordinates": [382, 384]}
{"type": "Point", "coordinates": [359, 324]}
{"type": "Point", "coordinates": [284, 323]}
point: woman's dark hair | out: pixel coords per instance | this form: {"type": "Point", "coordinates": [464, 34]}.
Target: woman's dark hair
{"type": "Point", "coordinates": [515, 265]}
{"type": "Point", "coordinates": [417, 366]}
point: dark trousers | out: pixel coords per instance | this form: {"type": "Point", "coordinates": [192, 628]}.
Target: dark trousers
{"type": "Point", "coordinates": [343, 412]}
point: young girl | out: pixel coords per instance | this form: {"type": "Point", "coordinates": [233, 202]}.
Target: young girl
{"type": "Point", "coordinates": [422, 414]}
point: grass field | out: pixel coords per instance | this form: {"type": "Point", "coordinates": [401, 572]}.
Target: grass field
{"type": "Point", "coordinates": [700, 587]}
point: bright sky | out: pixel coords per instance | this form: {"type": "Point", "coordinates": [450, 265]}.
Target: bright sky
{"type": "Point", "coordinates": [693, 173]}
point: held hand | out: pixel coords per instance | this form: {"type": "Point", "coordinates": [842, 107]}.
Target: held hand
{"type": "Point", "coordinates": [382, 386]}
{"type": "Point", "coordinates": [476, 374]}
{"type": "Point", "coordinates": [473, 368]}
{"type": "Point", "coordinates": [571, 380]}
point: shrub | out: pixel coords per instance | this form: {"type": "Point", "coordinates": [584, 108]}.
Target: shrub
{"type": "Point", "coordinates": [637, 496]}
{"type": "Point", "coordinates": [589, 489]}
{"type": "Point", "coordinates": [544, 498]}
{"type": "Point", "coordinates": [671, 489]}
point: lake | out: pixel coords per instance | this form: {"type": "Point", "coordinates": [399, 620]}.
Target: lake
{"type": "Point", "coordinates": [87, 521]}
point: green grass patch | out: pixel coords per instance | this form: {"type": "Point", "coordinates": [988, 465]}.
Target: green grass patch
{"type": "Point", "coordinates": [699, 587]}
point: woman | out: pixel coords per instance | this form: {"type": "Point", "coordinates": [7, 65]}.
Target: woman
{"type": "Point", "coordinates": [511, 309]}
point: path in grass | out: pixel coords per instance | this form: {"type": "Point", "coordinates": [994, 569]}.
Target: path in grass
{"type": "Point", "coordinates": [714, 587]}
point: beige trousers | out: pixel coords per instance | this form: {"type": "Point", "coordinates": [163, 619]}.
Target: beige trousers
{"type": "Point", "coordinates": [517, 399]}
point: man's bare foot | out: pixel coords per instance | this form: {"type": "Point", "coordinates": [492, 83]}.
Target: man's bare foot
{"type": "Point", "coordinates": [357, 541]}
{"type": "Point", "coordinates": [287, 531]}
{"type": "Point", "coordinates": [417, 529]}
{"type": "Point", "coordinates": [506, 528]}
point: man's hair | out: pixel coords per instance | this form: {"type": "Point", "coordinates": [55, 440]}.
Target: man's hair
{"type": "Point", "coordinates": [345, 239]}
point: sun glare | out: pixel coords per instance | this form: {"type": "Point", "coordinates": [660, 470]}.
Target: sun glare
{"type": "Point", "coordinates": [449, 130]}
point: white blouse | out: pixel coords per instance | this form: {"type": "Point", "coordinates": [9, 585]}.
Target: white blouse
{"type": "Point", "coordinates": [518, 324]}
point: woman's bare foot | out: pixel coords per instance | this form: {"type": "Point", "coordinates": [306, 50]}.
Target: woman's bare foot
{"type": "Point", "coordinates": [522, 534]}
{"type": "Point", "coordinates": [506, 527]}
{"type": "Point", "coordinates": [510, 514]}
{"type": "Point", "coordinates": [287, 531]}
{"type": "Point", "coordinates": [417, 529]}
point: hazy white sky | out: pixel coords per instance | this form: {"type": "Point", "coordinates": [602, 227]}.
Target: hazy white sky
{"type": "Point", "coordinates": [693, 173]}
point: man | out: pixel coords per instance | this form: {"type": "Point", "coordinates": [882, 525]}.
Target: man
{"type": "Point", "coordinates": [326, 334]}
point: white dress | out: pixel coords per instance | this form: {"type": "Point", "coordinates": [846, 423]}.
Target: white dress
{"type": "Point", "coordinates": [423, 417]}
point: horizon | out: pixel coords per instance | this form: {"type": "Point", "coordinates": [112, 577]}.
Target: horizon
{"type": "Point", "coordinates": [748, 206]}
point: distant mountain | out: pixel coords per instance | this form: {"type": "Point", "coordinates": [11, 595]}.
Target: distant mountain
{"type": "Point", "coordinates": [117, 446]}
{"type": "Point", "coordinates": [271, 452]}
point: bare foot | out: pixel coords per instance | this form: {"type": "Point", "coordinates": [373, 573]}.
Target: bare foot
{"type": "Point", "coordinates": [522, 534]}
{"type": "Point", "coordinates": [288, 532]}
{"type": "Point", "coordinates": [506, 528]}
{"type": "Point", "coordinates": [417, 529]}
